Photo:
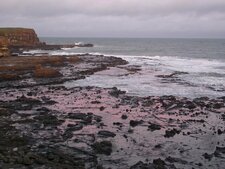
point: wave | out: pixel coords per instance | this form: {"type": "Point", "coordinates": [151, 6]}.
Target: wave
{"type": "Point", "coordinates": [172, 63]}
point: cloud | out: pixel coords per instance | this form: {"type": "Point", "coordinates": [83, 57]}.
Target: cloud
{"type": "Point", "coordinates": [111, 7]}
{"type": "Point", "coordinates": [117, 17]}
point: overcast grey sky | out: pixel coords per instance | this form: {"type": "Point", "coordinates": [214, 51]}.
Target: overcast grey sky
{"type": "Point", "coordinates": [117, 18]}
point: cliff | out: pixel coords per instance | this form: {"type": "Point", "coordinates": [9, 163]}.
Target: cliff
{"type": "Point", "coordinates": [19, 36]}
{"type": "Point", "coordinates": [4, 51]}
{"type": "Point", "coordinates": [17, 40]}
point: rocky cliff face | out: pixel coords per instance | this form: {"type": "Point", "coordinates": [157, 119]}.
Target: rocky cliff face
{"type": "Point", "coordinates": [4, 51]}
{"type": "Point", "coordinates": [19, 36]}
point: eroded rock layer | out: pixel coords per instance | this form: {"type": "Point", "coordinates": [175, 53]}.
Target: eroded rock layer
{"type": "Point", "coordinates": [19, 36]}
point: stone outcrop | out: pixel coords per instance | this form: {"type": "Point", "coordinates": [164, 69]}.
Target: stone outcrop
{"type": "Point", "coordinates": [20, 36]}
{"type": "Point", "coordinates": [16, 40]}
{"type": "Point", "coordinates": [4, 51]}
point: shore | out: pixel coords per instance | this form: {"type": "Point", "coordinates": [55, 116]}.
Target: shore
{"type": "Point", "coordinates": [46, 125]}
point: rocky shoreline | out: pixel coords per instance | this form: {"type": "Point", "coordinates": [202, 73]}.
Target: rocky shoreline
{"type": "Point", "coordinates": [46, 125]}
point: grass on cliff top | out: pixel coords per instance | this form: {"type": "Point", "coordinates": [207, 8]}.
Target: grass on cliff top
{"type": "Point", "coordinates": [13, 30]}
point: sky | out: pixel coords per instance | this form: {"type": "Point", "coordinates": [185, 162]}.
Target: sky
{"type": "Point", "coordinates": [117, 18]}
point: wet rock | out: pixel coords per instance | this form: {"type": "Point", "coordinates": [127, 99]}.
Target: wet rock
{"type": "Point", "coordinates": [43, 109]}
{"type": "Point", "coordinates": [199, 164]}
{"type": "Point", "coordinates": [118, 124]}
{"type": "Point", "coordinates": [154, 127]}
{"type": "Point", "coordinates": [30, 94]}
{"type": "Point", "coordinates": [175, 160]}
{"type": "Point", "coordinates": [87, 118]}
{"type": "Point", "coordinates": [158, 146]}
{"type": "Point", "coordinates": [171, 133]}
{"type": "Point", "coordinates": [141, 165]}
{"type": "Point", "coordinates": [105, 133]}
{"type": "Point", "coordinates": [160, 164]}
{"type": "Point", "coordinates": [172, 75]}
{"type": "Point", "coordinates": [190, 105]}
{"type": "Point", "coordinates": [103, 147]}
{"type": "Point", "coordinates": [124, 116]}
{"type": "Point", "coordinates": [219, 132]}
{"type": "Point", "coordinates": [6, 112]}
{"type": "Point", "coordinates": [207, 156]}
{"type": "Point", "coordinates": [48, 119]}
{"type": "Point", "coordinates": [75, 127]}
{"type": "Point", "coordinates": [218, 105]}
{"type": "Point", "coordinates": [130, 130]}
{"type": "Point", "coordinates": [219, 152]}
{"type": "Point", "coordinates": [134, 123]}
{"type": "Point", "coordinates": [29, 159]}
{"type": "Point", "coordinates": [115, 92]}
{"type": "Point", "coordinates": [116, 106]}
{"type": "Point", "coordinates": [102, 108]}
{"type": "Point", "coordinates": [68, 134]}
{"type": "Point", "coordinates": [223, 117]}
{"type": "Point", "coordinates": [157, 164]}
{"type": "Point", "coordinates": [95, 102]}
{"type": "Point", "coordinates": [24, 99]}
{"type": "Point", "coordinates": [97, 118]}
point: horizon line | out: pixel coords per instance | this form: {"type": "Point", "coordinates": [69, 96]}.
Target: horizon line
{"type": "Point", "coordinates": [99, 37]}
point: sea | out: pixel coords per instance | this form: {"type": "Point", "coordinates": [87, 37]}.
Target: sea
{"type": "Point", "coordinates": [180, 67]}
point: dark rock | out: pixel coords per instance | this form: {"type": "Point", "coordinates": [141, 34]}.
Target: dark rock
{"type": "Point", "coordinates": [134, 123]}
{"type": "Point", "coordinates": [29, 159]}
{"type": "Point", "coordinates": [199, 164]}
{"type": "Point", "coordinates": [175, 160]}
{"type": "Point", "coordinates": [87, 118]}
{"type": "Point", "coordinates": [130, 130]}
{"type": "Point", "coordinates": [118, 124]}
{"type": "Point", "coordinates": [104, 147]}
{"type": "Point", "coordinates": [158, 146]}
{"type": "Point", "coordinates": [102, 108]}
{"type": "Point", "coordinates": [171, 133]}
{"type": "Point", "coordinates": [95, 102]}
{"type": "Point", "coordinates": [74, 127]}
{"type": "Point", "coordinates": [172, 75]}
{"type": "Point", "coordinates": [29, 94]}
{"type": "Point", "coordinates": [219, 151]}
{"type": "Point", "coordinates": [48, 119]}
{"type": "Point", "coordinates": [68, 134]}
{"type": "Point", "coordinates": [98, 118]}
{"type": "Point", "coordinates": [141, 165]}
{"type": "Point", "coordinates": [190, 105]}
{"type": "Point", "coordinates": [99, 166]}
{"type": "Point", "coordinates": [223, 117]}
{"type": "Point", "coordinates": [154, 127]}
{"type": "Point", "coordinates": [218, 105]}
{"type": "Point", "coordinates": [219, 131]}
{"type": "Point", "coordinates": [207, 156]}
{"type": "Point", "coordinates": [159, 164]}
{"type": "Point", "coordinates": [105, 133]}
{"type": "Point", "coordinates": [43, 109]}
{"type": "Point", "coordinates": [5, 112]}
{"type": "Point", "coordinates": [124, 116]}
{"type": "Point", "coordinates": [115, 92]}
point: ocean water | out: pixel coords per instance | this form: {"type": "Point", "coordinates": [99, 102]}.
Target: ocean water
{"type": "Point", "coordinates": [198, 65]}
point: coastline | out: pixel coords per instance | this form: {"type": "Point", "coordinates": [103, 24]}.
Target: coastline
{"type": "Point", "coordinates": [51, 126]}
{"type": "Point", "coordinates": [47, 122]}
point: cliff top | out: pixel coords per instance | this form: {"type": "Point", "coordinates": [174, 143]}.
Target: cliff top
{"type": "Point", "coordinates": [14, 30]}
